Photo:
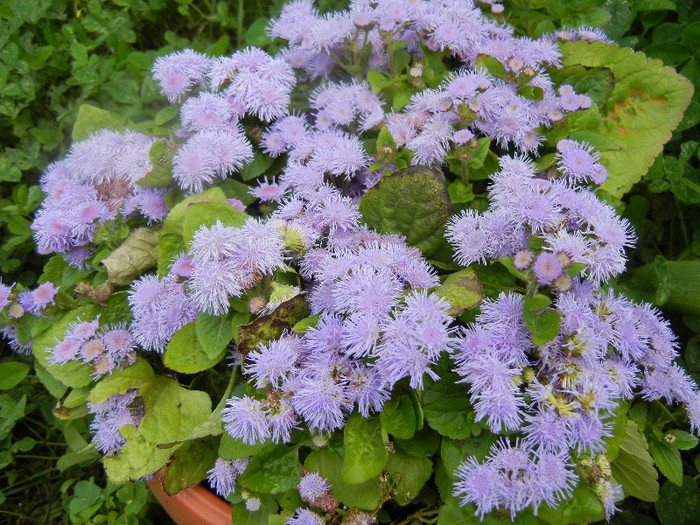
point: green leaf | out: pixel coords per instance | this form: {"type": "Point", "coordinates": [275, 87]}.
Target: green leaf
{"type": "Point", "coordinates": [170, 245]}
{"type": "Point", "coordinates": [491, 64]}
{"type": "Point", "coordinates": [364, 496]}
{"type": "Point", "coordinates": [683, 284]}
{"type": "Point", "coordinates": [414, 202]}
{"type": "Point", "coordinates": [260, 164]}
{"type": "Point", "coordinates": [646, 104]}
{"type": "Point", "coordinates": [409, 474]}
{"type": "Point", "coordinates": [583, 507]}
{"type": "Point", "coordinates": [531, 92]}
{"type": "Point", "coordinates": [398, 417]}
{"type": "Point", "coordinates": [161, 175]}
{"type": "Point", "coordinates": [232, 448]}
{"type": "Point", "coordinates": [138, 375]}
{"type": "Point", "coordinates": [133, 257]}
{"type": "Point", "coordinates": [12, 373]}
{"type": "Point", "coordinates": [303, 326]}
{"type": "Point", "coordinates": [265, 515]}
{"type": "Point", "coordinates": [174, 222]}
{"type": "Point", "coordinates": [91, 119]}
{"type": "Point", "coordinates": [447, 408]}
{"type": "Point", "coordinates": [255, 35]}
{"type": "Point", "coordinates": [190, 464]}
{"type": "Point", "coordinates": [207, 215]}
{"type": "Point", "coordinates": [213, 333]}
{"type": "Point", "coordinates": [275, 470]}
{"type": "Point", "coordinates": [668, 460]}
{"type": "Point", "coordinates": [536, 303]}
{"type": "Point", "coordinates": [683, 439]}
{"type": "Point", "coordinates": [171, 414]}
{"type": "Point", "coordinates": [424, 443]}
{"type": "Point", "coordinates": [596, 82]}
{"type": "Point", "coordinates": [679, 505]}
{"type": "Point", "coordinates": [165, 115]}
{"type": "Point", "coordinates": [365, 454]}
{"type": "Point", "coordinates": [543, 327]}
{"type": "Point", "coordinates": [186, 354]}
{"type": "Point", "coordinates": [11, 411]}
{"type": "Point", "coordinates": [634, 466]}
{"type": "Point", "coordinates": [462, 290]}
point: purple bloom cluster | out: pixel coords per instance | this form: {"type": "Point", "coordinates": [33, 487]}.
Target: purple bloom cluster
{"type": "Point", "coordinates": [227, 260]}
{"type": "Point", "coordinates": [110, 416]}
{"type": "Point", "coordinates": [313, 487]}
{"type": "Point", "coordinates": [574, 224]}
{"type": "Point", "coordinates": [160, 308]}
{"type": "Point", "coordinates": [104, 349]}
{"type": "Point", "coordinates": [250, 82]}
{"type": "Point", "coordinates": [94, 184]}
{"type": "Point", "coordinates": [514, 478]}
{"type": "Point", "coordinates": [225, 473]}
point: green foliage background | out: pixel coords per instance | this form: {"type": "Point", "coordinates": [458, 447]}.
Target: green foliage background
{"type": "Point", "coordinates": [56, 55]}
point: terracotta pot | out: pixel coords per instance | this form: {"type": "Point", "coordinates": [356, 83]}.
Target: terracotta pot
{"type": "Point", "coordinates": [192, 506]}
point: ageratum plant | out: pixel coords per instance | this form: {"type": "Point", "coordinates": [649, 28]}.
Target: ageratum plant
{"type": "Point", "coordinates": [369, 278]}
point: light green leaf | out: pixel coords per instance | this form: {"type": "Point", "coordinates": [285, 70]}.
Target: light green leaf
{"type": "Point", "coordinates": [174, 222]}
{"type": "Point", "coordinates": [207, 214]}
{"type": "Point", "coordinates": [161, 175]}
{"type": "Point", "coordinates": [186, 354]}
{"type": "Point", "coordinates": [365, 454]}
{"type": "Point", "coordinates": [171, 414]}
{"type": "Point", "coordinates": [137, 375]}
{"type": "Point", "coordinates": [646, 104]}
{"type": "Point", "coordinates": [165, 115]}
{"type": "Point", "coordinates": [414, 202]}
{"type": "Point", "coordinates": [91, 119]}
{"type": "Point", "coordinates": [634, 466]}
{"type": "Point", "coordinates": [462, 290]}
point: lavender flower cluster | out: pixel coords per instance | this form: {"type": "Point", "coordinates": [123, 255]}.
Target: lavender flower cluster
{"type": "Point", "coordinates": [378, 322]}
{"type": "Point", "coordinates": [94, 184]}
{"type": "Point", "coordinates": [105, 348]}
{"type": "Point", "coordinates": [13, 306]}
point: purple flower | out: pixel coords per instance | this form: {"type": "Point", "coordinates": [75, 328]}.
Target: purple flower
{"type": "Point", "coordinates": [312, 487]}
{"type": "Point", "coordinates": [270, 364]}
{"type": "Point", "coordinates": [177, 72]}
{"type": "Point", "coordinates": [306, 517]}
{"type": "Point", "coordinates": [547, 267]}
{"type": "Point", "coordinates": [245, 419]}
{"type": "Point", "coordinates": [223, 476]}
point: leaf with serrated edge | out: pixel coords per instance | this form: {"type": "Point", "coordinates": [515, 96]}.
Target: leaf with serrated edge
{"type": "Point", "coordinates": [645, 105]}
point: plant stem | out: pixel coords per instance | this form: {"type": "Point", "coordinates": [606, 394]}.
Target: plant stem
{"type": "Point", "coordinates": [417, 515]}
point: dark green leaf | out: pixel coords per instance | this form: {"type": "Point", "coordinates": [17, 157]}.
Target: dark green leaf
{"type": "Point", "coordinates": [260, 164]}
{"type": "Point", "coordinates": [679, 505]}
{"type": "Point", "coordinates": [275, 470]}
{"type": "Point", "coordinates": [365, 453]}
{"type": "Point", "coordinates": [364, 496]}
{"type": "Point", "coordinates": [413, 202]}
{"type": "Point", "coordinates": [398, 417]}
{"type": "Point", "coordinates": [190, 464]}
{"type": "Point", "coordinates": [12, 373]}
{"type": "Point", "coordinates": [409, 474]}
{"type": "Point", "coordinates": [491, 64]}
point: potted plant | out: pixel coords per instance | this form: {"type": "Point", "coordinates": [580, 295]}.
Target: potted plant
{"type": "Point", "coordinates": [367, 278]}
